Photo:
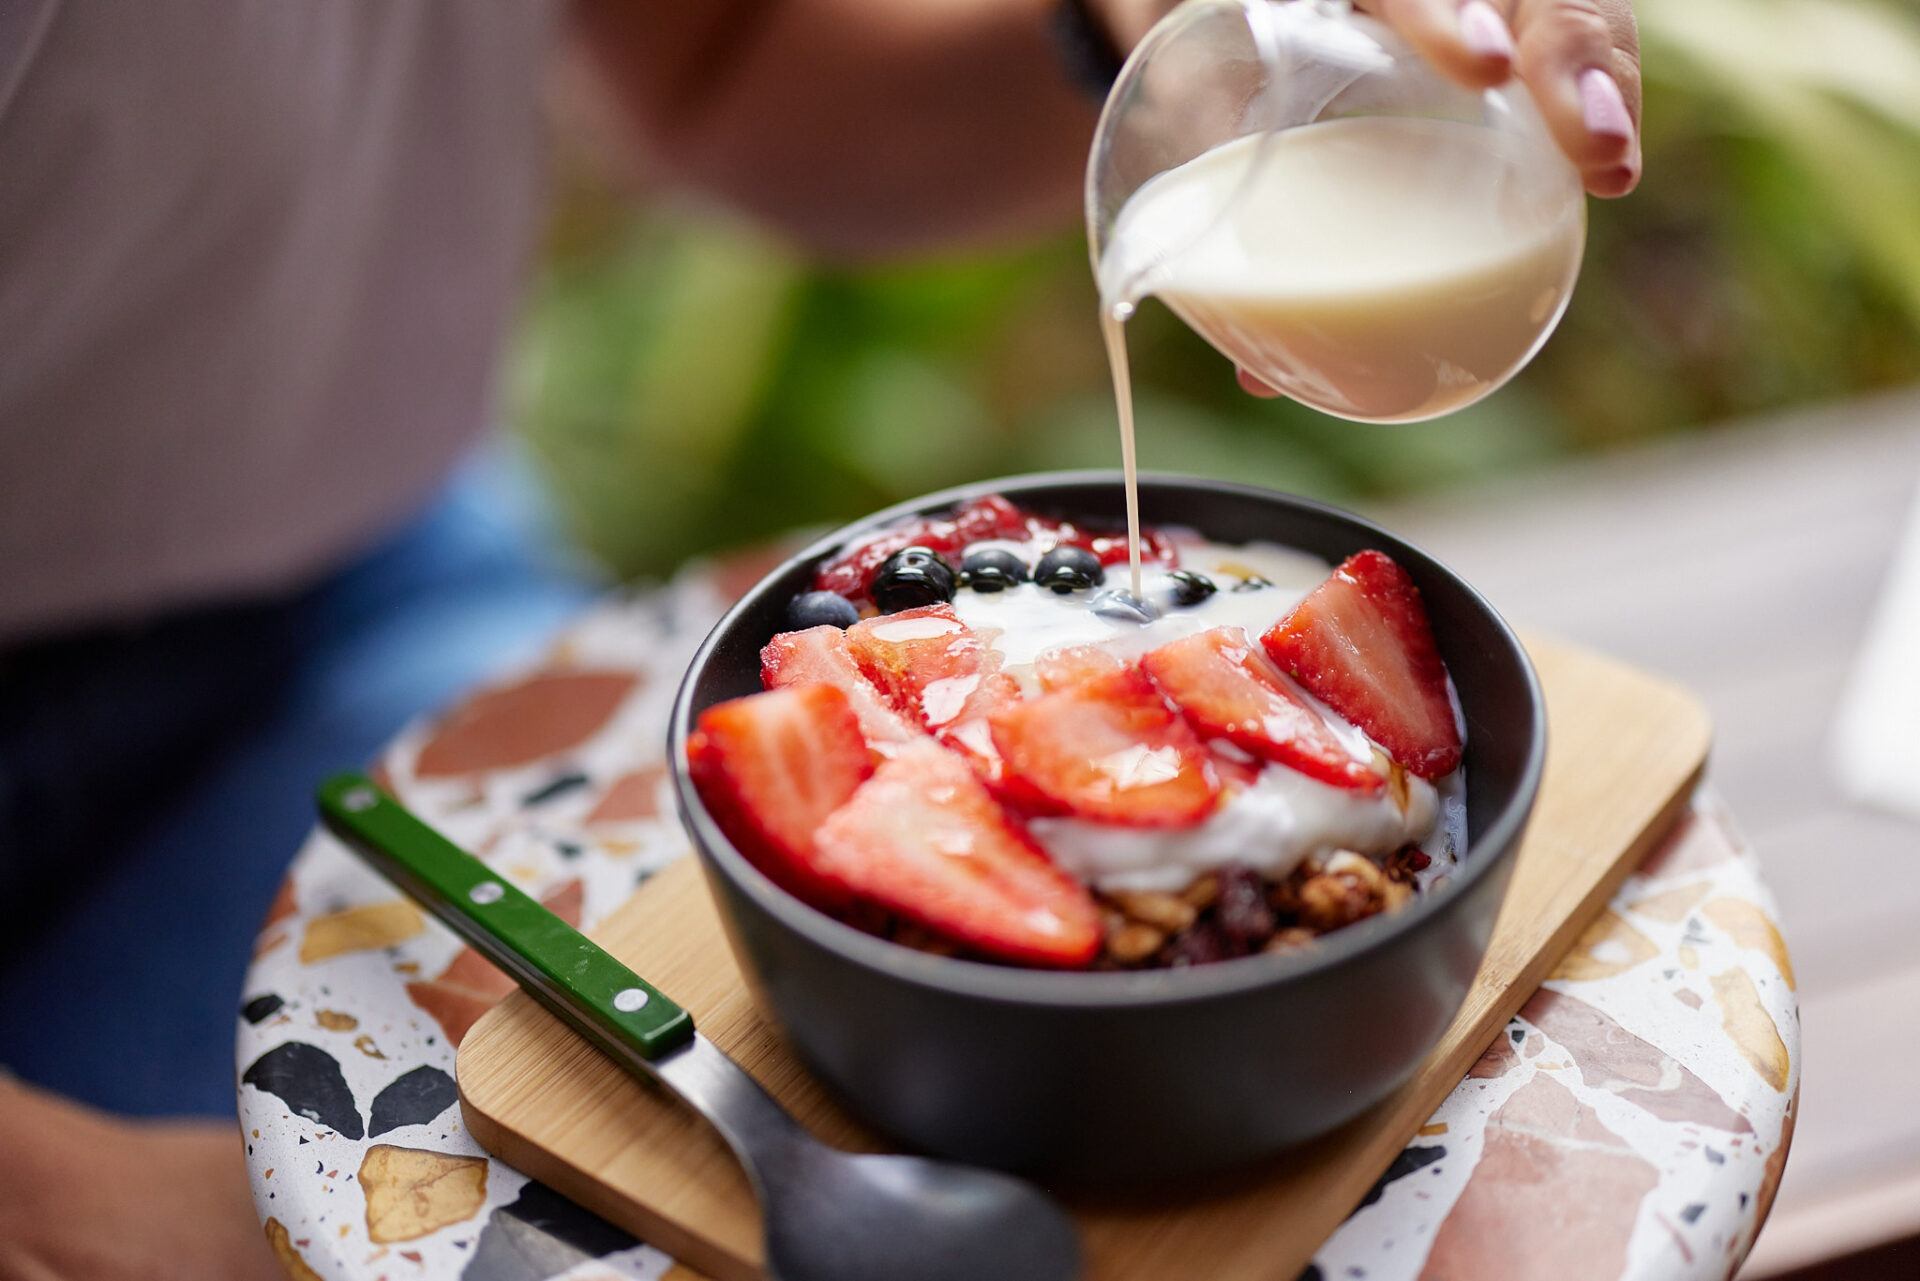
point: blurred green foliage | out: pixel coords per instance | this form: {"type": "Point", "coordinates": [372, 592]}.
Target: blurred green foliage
{"type": "Point", "coordinates": [689, 383]}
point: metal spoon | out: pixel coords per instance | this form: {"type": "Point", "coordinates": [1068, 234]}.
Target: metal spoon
{"type": "Point", "coordinates": [829, 1215]}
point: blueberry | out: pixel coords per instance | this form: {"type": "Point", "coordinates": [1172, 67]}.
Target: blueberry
{"type": "Point", "coordinates": [993, 569]}
{"type": "Point", "coordinates": [1251, 583]}
{"type": "Point", "coordinates": [1122, 606]}
{"type": "Point", "coordinates": [911, 577]}
{"type": "Point", "coordinates": [820, 609]}
{"type": "Point", "coordinates": [1069, 569]}
{"type": "Point", "coordinates": [1190, 588]}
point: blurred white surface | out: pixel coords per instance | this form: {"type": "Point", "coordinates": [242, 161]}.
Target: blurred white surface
{"type": "Point", "coordinates": [1874, 754]}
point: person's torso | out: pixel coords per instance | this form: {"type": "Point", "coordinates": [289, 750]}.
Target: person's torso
{"type": "Point", "coordinates": [256, 259]}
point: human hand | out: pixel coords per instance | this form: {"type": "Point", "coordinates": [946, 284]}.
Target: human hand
{"type": "Point", "coordinates": [1580, 59]}
{"type": "Point", "coordinates": [87, 1195]}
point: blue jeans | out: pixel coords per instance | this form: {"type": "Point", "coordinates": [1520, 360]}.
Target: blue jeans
{"type": "Point", "coordinates": [154, 782]}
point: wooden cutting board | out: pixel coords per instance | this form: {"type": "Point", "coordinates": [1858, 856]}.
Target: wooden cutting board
{"type": "Point", "coordinates": [1625, 750]}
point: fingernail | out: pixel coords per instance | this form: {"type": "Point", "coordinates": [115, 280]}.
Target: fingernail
{"type": "Point", "coordinates": [1484, 31]}
{"type": "Point", "coordinates": [1602, 107]}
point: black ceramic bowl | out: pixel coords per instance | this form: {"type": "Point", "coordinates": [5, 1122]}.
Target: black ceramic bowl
{"type": "Point", "coordinates": [1126, 1077]}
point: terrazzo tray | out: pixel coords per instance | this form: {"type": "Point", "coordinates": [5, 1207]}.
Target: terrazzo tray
{"type": "Point", "coordinates": [1625, 751]}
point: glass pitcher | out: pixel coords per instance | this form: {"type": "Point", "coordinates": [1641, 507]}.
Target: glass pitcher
{"type": "Point", "coordinates": [1334, 216]}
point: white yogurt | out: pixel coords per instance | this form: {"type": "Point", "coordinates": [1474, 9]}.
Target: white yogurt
{"type": "Point", "coordinates": [1283, 817]}
{"type": "Point", "coordinates": [1271, 827]}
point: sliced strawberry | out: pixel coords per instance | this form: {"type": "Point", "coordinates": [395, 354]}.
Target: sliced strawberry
{"type": "Point", "coordinates": [1227, 689]}
{"type": "Point", "coordinates": [924, 839]}
{"type": "Point", "coordinates": [925, 661]}
{"type": "Point", "coordinates": [771, 767]}
{"type": "Point", "coordinates": [820, 655]}
{"type": "Point", "coordinates": [1071, 665]}
{"type": "Point", "coordinates": [1236, 769]}
{"type": "Point", "coordinates": [1361, 643]}
{"type": "Point", "coordinates": [971, 735]}
{"type": "Point", "coordinates": [1108, 749]}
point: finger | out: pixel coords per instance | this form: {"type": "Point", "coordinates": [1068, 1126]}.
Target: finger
{"type": "Point", "coordinates": [1468, 41]}
{"type": "Point", "coordinates": [1254, 387]}
{"type": "Point", "coordinates": [1581, 59]}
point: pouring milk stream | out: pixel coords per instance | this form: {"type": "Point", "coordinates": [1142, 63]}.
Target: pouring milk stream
{"type": "Point", "coordinates": [1356, 232]}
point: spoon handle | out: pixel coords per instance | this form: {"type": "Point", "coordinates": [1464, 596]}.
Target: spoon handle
{"type": "Point", "coordinates": [584, 986]}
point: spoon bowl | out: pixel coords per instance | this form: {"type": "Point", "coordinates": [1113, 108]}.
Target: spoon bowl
{"type": "Point", "coordinates": [883, 1218]}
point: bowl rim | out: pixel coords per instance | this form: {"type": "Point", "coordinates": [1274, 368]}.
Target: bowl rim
{"type": "Point", "coordinates": [1080, 989]}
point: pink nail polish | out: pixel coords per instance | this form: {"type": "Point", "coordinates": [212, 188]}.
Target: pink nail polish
{"type": "Point", "coordinates": [1484, 31]}
{"type": "Point", "coordinates": [1602, 107]}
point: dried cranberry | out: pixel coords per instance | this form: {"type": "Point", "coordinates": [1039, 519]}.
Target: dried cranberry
{"type": "Point", "coordinates": [1407, 862]}
{"type": "Point", "coordinates": [1241, 911]}
{"type": "Point", "coordinates": [1202, 944]}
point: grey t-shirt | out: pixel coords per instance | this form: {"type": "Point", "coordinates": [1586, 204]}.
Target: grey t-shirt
{"type": "Point", "coordinates": [257, 258]}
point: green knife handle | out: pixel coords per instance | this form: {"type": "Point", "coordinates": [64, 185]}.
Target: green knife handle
{"type": "Point", "coordinates": [558, 966]}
